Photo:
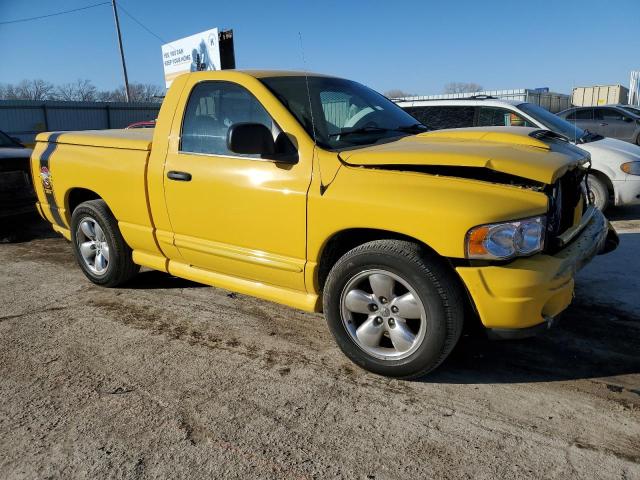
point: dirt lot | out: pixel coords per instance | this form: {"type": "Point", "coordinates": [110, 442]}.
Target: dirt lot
{"type": "Point", "coordinates": [170, 379]}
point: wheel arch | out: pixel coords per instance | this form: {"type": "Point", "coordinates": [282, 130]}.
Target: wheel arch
{"type": "Point", "coordinates": [344, 240]}
{"type": "Point", "coordinates": [604, 178]}
{"type": "Point", "coordinates": [77, 195]}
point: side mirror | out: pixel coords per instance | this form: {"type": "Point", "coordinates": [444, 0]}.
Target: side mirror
{"type": "Point", "coordinates": [250, 139]}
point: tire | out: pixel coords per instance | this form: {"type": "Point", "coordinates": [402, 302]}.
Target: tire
{"type": "Point", "coordinates": [599, 192]}
{"type": "Point", "coordinates": [416, 272]}
{"type": "Point", "coordinates": [94, 226]}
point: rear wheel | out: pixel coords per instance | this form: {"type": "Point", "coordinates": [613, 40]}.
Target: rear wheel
{"type": "Point", "coordinates": [99, 248]}
{"type": "Point", "coordinates": [394, 308]}
{"type": "Point", "coordinates": [598, 191]}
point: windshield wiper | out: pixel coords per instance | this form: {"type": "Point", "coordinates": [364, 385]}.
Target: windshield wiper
{"type": "Point", "coordinates": [414, 128]}
{"type": "Point", "coordinates": [351, 131]}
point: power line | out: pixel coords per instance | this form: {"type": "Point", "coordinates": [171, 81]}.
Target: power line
{"type": "Point", "coordinates": [140, 23]}
{"type": "Point", "coordinates": [54, 14]}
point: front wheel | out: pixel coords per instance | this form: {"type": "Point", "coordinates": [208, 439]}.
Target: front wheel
{"type": "Point", "coordinates": [598, 192]}
{"type": "Point", "coordinates": [394, 308]}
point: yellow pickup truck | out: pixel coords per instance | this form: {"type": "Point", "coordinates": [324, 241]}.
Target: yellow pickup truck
{"type": "Point", "coordinates": [319, 193]}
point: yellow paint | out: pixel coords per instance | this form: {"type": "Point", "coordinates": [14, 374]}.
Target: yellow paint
{"type": "Point", "coordinates": [505, 149]}
{"type": "Point", "coordinates": [259, 227]}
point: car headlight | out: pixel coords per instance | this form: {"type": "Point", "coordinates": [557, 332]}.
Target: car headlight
{"type": "Point", "coordinates": [502, 241]}
{"type": "Point", "coordinates": [632, 168]}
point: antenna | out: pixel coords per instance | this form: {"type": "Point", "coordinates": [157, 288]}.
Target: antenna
{"type": "Point", "coordinates": [323, 187]}
{"type": "Point", "coordinates": [306, 79]}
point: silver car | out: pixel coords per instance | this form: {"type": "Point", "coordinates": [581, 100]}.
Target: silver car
{"type": "Point", "coordinates": [615, 121]}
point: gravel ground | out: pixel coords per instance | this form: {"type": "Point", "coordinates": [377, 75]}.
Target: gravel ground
{"type": "Point", "coordinates": [170, 379]}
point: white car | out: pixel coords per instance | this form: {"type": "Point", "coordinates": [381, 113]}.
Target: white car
{"type": "Point", "coordinates": [615, 174]}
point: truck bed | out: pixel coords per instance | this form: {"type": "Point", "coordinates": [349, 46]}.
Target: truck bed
{"type": "Point", "coordinates": [108, 164]}
{"type": "Point", "coordinates": [132, 139]}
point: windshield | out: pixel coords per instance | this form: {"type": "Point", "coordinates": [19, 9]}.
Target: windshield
{"type": "Point", "coordinates": [5, 141]}
{"type": "Point", "coordinates": [634, 110]}
{"type": "Point", "coordinates": [553, 122]}
{"type": "Point", "coordinates": [346, 114]}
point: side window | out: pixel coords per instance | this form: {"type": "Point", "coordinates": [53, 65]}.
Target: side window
{"type": "Point", "coordinates": [425, 115]}
{"type": "Point", "coordinates": [583, 114]}
{"type": "Point", "coordinates": [500, 117]}
{"type": "Point", "coordinates": [609, 114]}
{"type": "Point", "coordinates": [212, 108]}
{"type": "Point", "coordinates": [440, 117]}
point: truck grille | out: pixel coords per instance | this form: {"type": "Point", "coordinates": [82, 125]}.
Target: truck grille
{"type": "Point", "coordinates": [565, 197]}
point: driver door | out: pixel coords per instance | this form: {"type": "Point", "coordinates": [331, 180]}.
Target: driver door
{"type": "Point", "coordinates": [238, 215]}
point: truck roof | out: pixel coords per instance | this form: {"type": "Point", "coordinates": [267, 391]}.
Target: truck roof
{"type": "Point", "coordinates": [266, 73]}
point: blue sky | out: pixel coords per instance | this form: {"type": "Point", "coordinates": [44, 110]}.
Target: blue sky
{"type": "Point", "coordinates": [416, 46]}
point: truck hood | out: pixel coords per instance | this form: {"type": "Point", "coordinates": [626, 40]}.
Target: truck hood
{"type": "Point", "coordinates": [529, 153]}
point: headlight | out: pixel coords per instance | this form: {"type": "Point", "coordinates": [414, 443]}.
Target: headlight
{"type": "Point", "coordinates": [502, 241]}
{"type": "Point", "coordinates": [632, 168]}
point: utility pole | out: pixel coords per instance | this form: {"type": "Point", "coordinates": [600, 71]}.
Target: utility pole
{"type": "Point", "coordinates": [124, 65]}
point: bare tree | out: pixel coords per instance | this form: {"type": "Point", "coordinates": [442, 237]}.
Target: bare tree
{"type": "Point", "coordinates": [397, 93]}
{"type": "Point", "coordinates": [146, 92]}
{"type": "Point", "coordinates": [138, 92]}
{"type": "Point", "coordinates": [34, 90]}
{"type": "Point", "coordinates": [462, 87]}
{"type": "Point", "coordinates": [8, 92]}
{"type": "Point", "coordinates": [106, 96]}
{"type": "Point", "coordinates": [80, 90]}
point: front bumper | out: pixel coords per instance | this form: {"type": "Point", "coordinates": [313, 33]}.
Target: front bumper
{"type": "Point", "coordinates": [529, 292]}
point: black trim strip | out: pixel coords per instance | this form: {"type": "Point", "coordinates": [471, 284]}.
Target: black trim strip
{"type": "Point", "coordinates": [48, 192]}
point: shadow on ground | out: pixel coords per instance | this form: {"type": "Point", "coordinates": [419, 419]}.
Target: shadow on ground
{"type": "Point", "coordinates": [588, 341]}
{"type": "Point", "coordinates": [24, 228]}
{"type": "Point", "coordinates": [624, 213]}
{"type": "Point", "coordinates": [152, 279]}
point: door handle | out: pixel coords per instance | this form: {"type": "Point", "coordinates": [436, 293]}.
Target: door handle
{"type": "Point", "coordinates": [181, 176]}
{"type": "Point", "coordinates": [603, 124]}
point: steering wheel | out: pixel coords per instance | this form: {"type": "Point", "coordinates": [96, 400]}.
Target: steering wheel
{"type": "Point", "coordinates": [358, 117]}
{"type": "Point", "coordinates": [360, 120]}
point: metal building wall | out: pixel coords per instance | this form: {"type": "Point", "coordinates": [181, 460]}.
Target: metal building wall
{"type": "Point", "coordinates": [26, 118]}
